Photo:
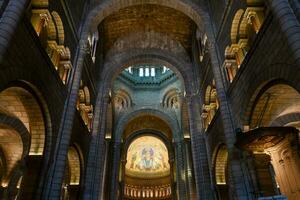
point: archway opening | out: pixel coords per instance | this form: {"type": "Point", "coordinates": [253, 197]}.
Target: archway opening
{"type": "Point", "coordinates": [221, 172]}
{"type": "Point", "coordinates": [72, 178]}
{"type": "Point", "coordinates": [275, 108]}
{"type": "Point", "coordinates": [21, 113]}
{"type": "Point", "coordinates": [147, 169]}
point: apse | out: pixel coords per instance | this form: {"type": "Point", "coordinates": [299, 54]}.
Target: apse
{"type": "Point", "coordinates": [147, 169]}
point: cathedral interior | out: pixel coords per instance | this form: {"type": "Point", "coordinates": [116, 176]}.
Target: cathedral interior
{"type": "Point", "coordinates": [149, 99]}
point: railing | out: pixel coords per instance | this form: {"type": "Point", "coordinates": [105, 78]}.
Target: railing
{"type": "Point", "coordinates": [147, 192]}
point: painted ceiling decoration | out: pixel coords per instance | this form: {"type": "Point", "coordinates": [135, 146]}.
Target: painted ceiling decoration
{"type": "Point", "coordinates": [147, 156]}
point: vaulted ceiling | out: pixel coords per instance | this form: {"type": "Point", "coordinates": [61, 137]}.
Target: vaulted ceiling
{"type": "Point", "coordinates": [147, 18]}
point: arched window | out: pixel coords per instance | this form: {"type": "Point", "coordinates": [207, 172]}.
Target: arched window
{"type": "Point", "coordinates": [84, 105]}
{"type": "Point", "coordinates": [220, 165]}
{"type": "Point", "coordinates": [50, 30]}
{"type": "Point", "coordinates": [210, 105]}
{"type": "Point", "coordinates": [245, 25]}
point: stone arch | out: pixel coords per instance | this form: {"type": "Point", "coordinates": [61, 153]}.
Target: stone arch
{"type": "Point", "coordinates": [171, 98]}
{"type": "Point", "coordinates": [84, 105]}
{"type": "Point", "coordinates": [150, 132]}
{"type": "Point", "coordinates": [235, 25]}
{"type": "Point", "coordinates": [11, 122]}
{"type": "Point", "coordinates": [117, 62]}
{"type": "Point", "coordinates": [284, 99]}
{"type": "Point", "coordinates": [73, 173]}
{"type": "Point", "coordinates": [24, 106]}
{"type": "Point", "coordinates": [50, 30]}
{"type": "Point", "coordinates": [286, 119]}
{"type": "Point", "coordinates": [43, 24]}
{"type": "Point", "coordinates": [59, 28]}
{"type": "Point", "coordinates": [15, 144]}
{"type": "Point", "coordinates": [210, 106]}
{"type": "Point", "coordinates": [25, 103]}
{"type": "Point", "coordinates": [151, 191]}
{"type": "Point", "coordinates": [74, 162]}
{"type": "Point", "coordinates": [126, 118]}
{"type": "Point", "coordinates": [220, 163]}
{"type": "Point", "coordinates": [207, 94]}
{"type": "Point", "coordinates": [245, 25]}
{"type": "Point", "coordinates": [122, 100]}
{"type": "Point", "coordinates": [102, 10]}
{"type": "Point", "coordinates": [276, 102]}
{"type": "Point", "coordinates": [268, 73]}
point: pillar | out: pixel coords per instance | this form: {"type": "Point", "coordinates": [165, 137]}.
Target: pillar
{"type": "Point", "coordinates": [114, 190]}
{"type": "Point", "coordinates": [54, 180]}
{"type": "Point", "coordinates": [286, 163]}
{"type": "Point", "coordinates": [94, 177]}
{"type": "Point", "coordinates": [238, 183]}
{"type": "Point", "coordinates": [189, 172]}
{"type": "Point", "coordinates": [180, 170]}
{"type": "Point", "coordinates": [9, 22]}
{"type": "Point", "coordinates": [266, 185]}
{"type": "Point", "coordinates": [200, 161]}
{"type": "Point", "coordinates": [289, 25]}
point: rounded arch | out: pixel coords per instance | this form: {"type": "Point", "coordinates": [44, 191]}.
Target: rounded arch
{"type": "Point", "coordinates": [170, 98]}
{"type": "Point", "coordinates": [125, 119]}
{"type": "Point", "coordinates": [207, 94]}
{"type": "Point", "coordinates": [148, 132]}
{"type": "Point", "coordinates": [271, 102]}
{"type": "Point", "coordinates": [163, 149]}
{"type": "Point", "coordinates": [14, 150]}
{"type": "Point", "coordinates": [87, 95]}
{"type": "Point", "coordinates": [122, 99]}
{"type": "Point", "coordinates": [270, 73]}
{"type": "Point", "coordinates": [220, 163]}
{"type": "Point", "coordinates": [59, 27]}
{"type": "Point", "coordinates": [74, 163]}
{"type": "Point", "coordinates": [102, 10]}
{"type": "Point", "coordinates": [116, 63]}
{"type": "Point", "coordinates": [285, 119]}
{"type": "Point", "coordinates": [15, 125]}
{"type": "Point", "coordinates": [24, 106]}
{"type": "Point", "coordinates": [20, 77]}
{"type": "Point", "coordinates": [51, 27]}
{"type": "Point", "coordinates": [235, 26]}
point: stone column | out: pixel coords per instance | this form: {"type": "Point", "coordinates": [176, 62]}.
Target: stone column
{"type": "Point", "coordinates": [238, 183]}
{"type": "Point", "coordinates": [9, 23]}
{"type": "Point", "coordinates": [172, 185]}
{"type": "Point", "coordinates": [105, 169]}
{"type": "Point", "coordinates": [114, 190]}
{"type": "Point", "coordinates": [200, 161]}
{"type": "Point", "coordinates": [180, 170]}
{"type": "Point", "coordinates": [261, 164]}
{"type": "Point", "coordinates": [93, 183]}
{"type": "Point", "coordinates": [189, 171]}
{"type": "Point", "coordinates": [286, 163]}
{"type": "Point", "coordinates": [122, 184]}
{"type": "Point", "coordinates": [289, 25]}
{"type": "Point", "coordinates": [56, 170]}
